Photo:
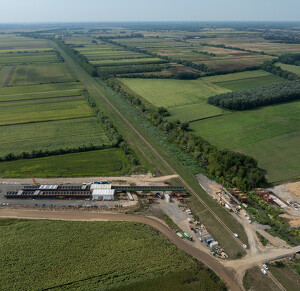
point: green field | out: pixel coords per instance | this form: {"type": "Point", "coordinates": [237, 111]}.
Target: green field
{"type": "Point", "coordinates": [250, 82]}
{"type": "Point", "coordinates": [41, 73]}
{"type": "Point", "coordinates": [45, 110]}
{"type": "Point", "coordinates": [192, 112]}
{"type": "Point", "coordinates": [127, 61]}
{"type": "Point", "coordinates": [255, 280]}
{"type": "Point", "coordinates": [251, 131]}
{"type": "Point", "coordinates": [27, 58]}
{"type": "Point", "coordinates": [290, 68]}
{"type": "Point", "coordinates": [13, 42]}
{"type": "Point", "coordinates": [70, 133]}
{"type": "Point", "coordinates": [221, 59]}
{"type": "Point", "coordinates": [5, 72]}
{"type": "Point", "coordinates": [107, 162]}
{"type": "Point", "coordinates": [62, 255]}
{"type": "Point", "coordinates": [40, 91]}
{"type": "Point", "coordinates": [186, 100]}
{"type": "Point", "coordinates": [173, 93]}
{"type": "Point", "coordinates": [288, 275]}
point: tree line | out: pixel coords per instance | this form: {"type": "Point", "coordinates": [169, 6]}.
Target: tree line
{"type": "Point", "coordinates": [290, 59]}
{"type": "Point", "coordinates": [255, 97]}
{"type": "Point", "coordinates": [276, 70]}
{"type": "Point", "coordinates": [78, 58]}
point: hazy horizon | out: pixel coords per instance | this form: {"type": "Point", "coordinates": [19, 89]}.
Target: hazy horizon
{"type": "Point", "coordinates": [74, 11]}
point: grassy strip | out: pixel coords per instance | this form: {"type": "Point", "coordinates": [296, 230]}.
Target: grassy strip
{"type": "Point", "coordinates": [107, 162]}
{"type": "Point", "coordinates": [45, 110]}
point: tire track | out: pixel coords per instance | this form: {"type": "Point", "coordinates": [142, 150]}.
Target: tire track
{"type": "Point", "coordinates": [276, 282]}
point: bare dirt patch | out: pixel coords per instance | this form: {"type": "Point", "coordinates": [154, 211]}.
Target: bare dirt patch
{"type": "Point", "coordinates": [294, 221]}
{"type": "Point", "coordinates": [294, 188]}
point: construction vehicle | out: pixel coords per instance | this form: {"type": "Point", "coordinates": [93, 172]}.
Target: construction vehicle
{"type": "Point", "coordinates": [34, 182]}
{"type": "Point", "coordinates": [187, 236]}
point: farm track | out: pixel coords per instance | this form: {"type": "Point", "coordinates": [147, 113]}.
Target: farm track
{"type": "Point", "coordinates": [209, 261]}
{"type": "Point", "coordinates": [276, 281]}
{"type": "Point", "coordinates": [226, 273]}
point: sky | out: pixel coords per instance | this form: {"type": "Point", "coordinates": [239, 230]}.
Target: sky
{"type": "Point", "coordinates": [20, 11]}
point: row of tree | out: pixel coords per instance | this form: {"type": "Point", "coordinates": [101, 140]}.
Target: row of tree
{"type": "Point", "coordinates": [276, 70]}
{"type": "Point", "coordinates": [104, 72]}
{"type": "Point", "coordinates": [255, 97]}
{"type": "Point", "coordinates": [291, 59]}
{"type": "Point", "coordinates": [79, 58]}
{"type": "Point", "coordinates": [238, 169]}
{"type": "Point", "coordinates": [112, 133]}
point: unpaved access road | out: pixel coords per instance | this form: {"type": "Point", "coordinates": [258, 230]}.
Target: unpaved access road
{"type": "Point", "coordinates": [227, 274]}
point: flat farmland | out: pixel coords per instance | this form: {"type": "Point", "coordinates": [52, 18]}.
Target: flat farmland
{"type": "Point", "coordinates": [219, 59]}
{"type": "Point", "coordinates": [237, 63]}
{"type": "Point", "coordinates": [272, 128]}
{"type": "Point", "coordinates": [119, 62]}
{"type": "Point", "coordinates": [251, 82]}
{"type": "Point", "coordinates": [40, 91]}
{"type": "Point", "coordinates": [186, 99]}
{"type": "Point", "coordinates": [107, 162]}
{"type": "Point", "coordinates": [188, 113]}
{"type": "Point", "coordinates": [41, 73]}
{"type": "Point", "coordinates": [21, 43]}
{"type": "Point", "coordinates": [45, 110]}
{"type": "Point", "coordinates": [25, 50]}
{"type": "Point", "coordinates": [59, 255]}
{"type": "Point", "coordinates": [6, 75]}
{"type": "Point", "coordinates": [64, 134]}
{"type": "Point", "coordinates": [290, 68]}
{"type": "Point", "coordinates": [28, 58]}
{"type": "Point", "coordinates": [257, 44]}
{"type": "Point", "coordinates": [172, 93]}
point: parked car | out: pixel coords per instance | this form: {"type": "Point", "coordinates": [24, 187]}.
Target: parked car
{"type": "Point", "coordinates": [265, 266]}
{"type": "Point", "coordinates": [264, 271]}
{"type": "Point", "coordinates": [236, 235]}
{"type": "Point", "coordinates": [245, 246]}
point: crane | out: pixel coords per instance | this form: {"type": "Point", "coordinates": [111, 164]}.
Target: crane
{"type": "Point", "coordinates": [34, 182]}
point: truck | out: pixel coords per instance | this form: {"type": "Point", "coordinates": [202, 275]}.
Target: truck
{"type": "Point", "coordinates": [214, 244]}
{"type": "Point", "coordinates": [208, 239]}
{"type": "Point", "coordinates": [187, 236]}
{"type": "Point", "coordinates": [105, 182]}
{"type": "Point", "coordinates": [204, 233]}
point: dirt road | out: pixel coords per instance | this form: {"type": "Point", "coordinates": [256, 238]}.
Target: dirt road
{"type": "Point", "coordinates": [226, 273]}
{"type": "Point", "coordinates": [138, 179]}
